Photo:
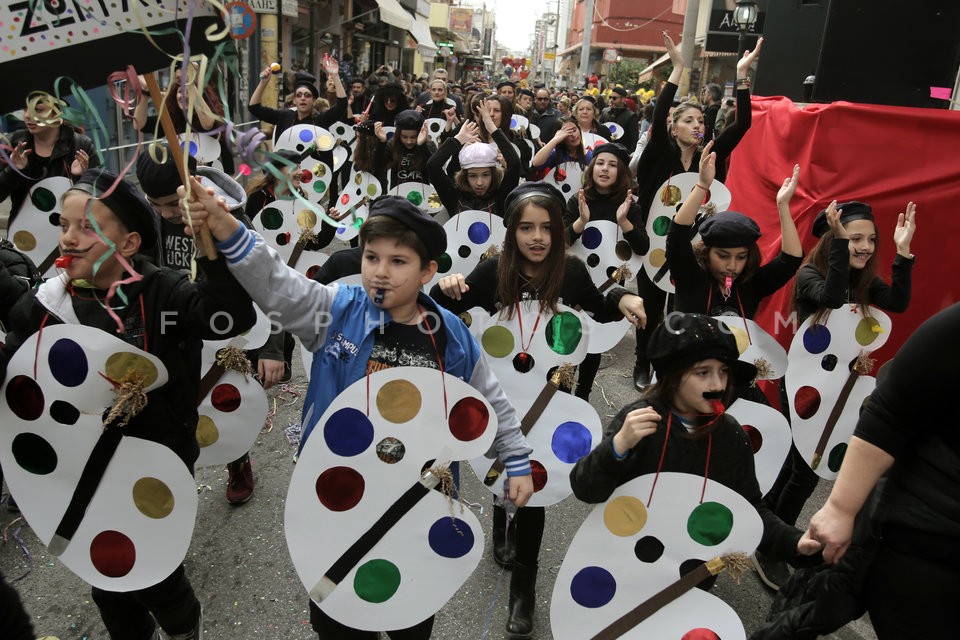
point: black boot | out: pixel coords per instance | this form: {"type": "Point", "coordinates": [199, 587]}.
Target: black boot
{"type": "Point", "coordinates": [523, 598]}
{"type": "Point", "coordinates": [641, 374]}
{"type": "Point", "coordinates": [504, 541]}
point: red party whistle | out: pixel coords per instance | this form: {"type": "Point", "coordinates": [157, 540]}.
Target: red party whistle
{"type": "Point", "coordinates": [63, 262]}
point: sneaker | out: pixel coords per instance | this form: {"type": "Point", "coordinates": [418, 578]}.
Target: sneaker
{"type": "Point", "coordinates": [240, 480]}
{"type": "Point", "coordinates": [194, 634]}
{"type": "Point", "coordinates": [773, 573]}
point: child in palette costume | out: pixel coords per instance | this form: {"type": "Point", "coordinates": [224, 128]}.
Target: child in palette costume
{"type": "Point", "coordinates": [168, 316]}
{"type": "Point", "coordinates": [356, 330]}
{"type": "Point", "coordinates": [679, 425]}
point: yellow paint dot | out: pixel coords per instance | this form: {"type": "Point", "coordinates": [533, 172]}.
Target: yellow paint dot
{"type": "Point", "coordinates": [153, 498]}
{"type": "Point", "coordinates": [742, 340]}
{"type": "Point", "coordinates": [325, 143]}
{"type": "Point", "coordinates": [122, 362]}
{"type": "Point", "coordinates": [358, 179]}
{"type": "Point", "coordinates": [497, 341]}
{"type": "Point", "coordinates": [868, 330]}
{"type": "Point", "coordinates": [24, 240]}
{"type": "Point", "coordinates": [658, 257]}
{"type": "Point", "coordinates": [307, 219]}
{"type": "Point", "coordinates": [624, 516]}
{"type": "Point", "coordinates": [207, 432]}
{"type": "Point", "coordinates": [399, 401]}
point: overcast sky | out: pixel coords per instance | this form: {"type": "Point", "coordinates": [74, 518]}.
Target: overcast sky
{"type": "Point", "coordinates": [515, 20]}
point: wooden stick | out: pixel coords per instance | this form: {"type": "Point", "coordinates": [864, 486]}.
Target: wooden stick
{"type": "Point", "coordinates": [834, 417]}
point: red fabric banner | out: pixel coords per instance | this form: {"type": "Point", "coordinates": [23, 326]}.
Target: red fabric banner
{"type": "Point", "coordinates": [884, 156]}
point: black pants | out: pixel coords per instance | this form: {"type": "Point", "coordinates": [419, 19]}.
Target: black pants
{"type": "Point", "coordinates": [654, 299]}
{"type": "Point", "coordinates": [14, 620]}
{"type": "Point", "coordinates": [587, 374]}
{"type": "Point", "coordinates": [796, 481]}
{"type": "Point", "coordinates": [130, 616]}
{"type": "Point", "coordinates": [528, 523]}
{"type": "Point", "coordinates": [329, 629]}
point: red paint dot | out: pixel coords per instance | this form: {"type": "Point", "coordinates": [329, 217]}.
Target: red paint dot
{"type": "Point", "coordinates": [756, 438]}
{"type": "Point", "coordinates": [25, 398]}
{"type": "Point", "coordinates": [468, 419]}
{"type": "Point", "coordinates": [807, 402]}
{"type": "Point", "coordinates": [112, 554]}
{"type": "Point", "coordinates": [345, 198]}
{"type": "Point", "coordinates": [225, 397]}
{"type": "Point", "coordinates": [340, 488]}
{"type": "Point", "coordinates": [700, 634]}
{"type": "Point", "coordinates": [539, 474]}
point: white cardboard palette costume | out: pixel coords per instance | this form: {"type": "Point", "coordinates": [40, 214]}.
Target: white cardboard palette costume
{"type": "Point", "coordinates": [616, 132]}
{"type": "Point", "coordinates": [369, 448]}
{"type": "Point", "coordinates": [282, 223]}
{"type": "Point", "coordinates": [470, 234]}
{"type": "Point", "coordinates": [770, 439]}
{"type": "Point", "coordinates": [627, 550]}
{"type": "Point", "coordinates": [36, 229]}
{"type": "Point", "coordinates": [423, 195]}
{"type": "Point", "coordinates": [137, 527]}
{"type": "Point", "coordinates": [315, 177]}
{"type": "Point", "coordinates": [567, 177]}
{"type": "Point", "coordinates": [602, 247]}
{"type": "Point", "coordinates": [435, 127]}
{"type": "Point", "coordinates": [343, 132]}
{"type": "Point", "coordinates": [668, 199]}
{"type": "Point", "coordinates": [204, 147]}
{"type": "Point", "coordinates": [362, 187]}
{"type": "Point", "coordinates": [300, 137]}
{"type": "Point", "coordinates": [591, 141]}
{"type": "Point", "coordinates": [757, 347]}
{"type": "Point", "coordinates": [820, 376]}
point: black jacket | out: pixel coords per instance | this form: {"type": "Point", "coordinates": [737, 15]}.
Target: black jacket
{"type": "Point", "coordinates": [605, 208]}
{"type": "Point", "coordinates": [627, 119]}
{"type": "Point", "coordinates": [286, 118]}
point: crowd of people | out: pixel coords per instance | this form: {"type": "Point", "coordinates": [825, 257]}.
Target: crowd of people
{"type": "Point", "coordinates": [129, 251]}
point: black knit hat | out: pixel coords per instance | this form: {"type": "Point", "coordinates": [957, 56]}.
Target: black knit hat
{"type": "Point", "coordinates": [506, 83]}
{"type": "Point", "coordinates": [849, 211]}
{"type": "Point", "coordinates": [308, 80]}
{"type": "Point", "coordinates": [408, 120]}
{"type": "Point", "coordinates": [515, 199]}
{"type": "Point", "coordinates": [686, 338]}
{"type": "Point", "coordinates": [430, 232]}
{"type": "Point", "coordinates": [620, 91]}
{"type": "Point", "coordinates": [159, 180]}
{"type": "Point", "coordinates": [616, 149]}
{"type": "Point", "coordinates": [125, 202]}
{"type": "Point", "coordinates": [525, 92]}
{"type": "Point", "coordinates": [729, 229]}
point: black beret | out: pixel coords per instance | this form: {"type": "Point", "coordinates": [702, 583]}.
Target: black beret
{"type": "Point", "coordinates": [507, 83]}
{"type": "Point", "coordinates": [849, 211]}
{"type": "Point", "coordinates": [430, 232]}
{"type": "Point", "coordinates": [125, 202]}
{"type": "Point", "coordinates": [304, 82]}
{"type": "Point", "coordinates": [686, 338]}
{"type": "Point", "coordinates": [408, 119]}
{"type": "Point", "coordinates": [525, 92]}
{"type": "Point", "coordinates": [620, 91]}
{"type": "Point", "coordinates": [729, 229]}
{"type": "Point", "coordinates": [516, 198]}
{"type": "Point", "coordinates": [159, 180]}
{"type": "Point", "coordinates": [614, 148]}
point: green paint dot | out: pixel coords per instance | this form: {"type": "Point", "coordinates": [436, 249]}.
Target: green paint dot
{"type": "Point", "coordinates": [564, 333]}
{"type": "Point", "coordinates": [497, 341]}
{"type": "Point", "coordinates": [319, 187]}
{"type": "Point", "coordinates": [34, 454]}
{"type": "Point", "coordinates": [868, 330]}
{"type": "Point", "coordinates": [271, 218]}
{"type": "Point", "coordinates": [710, 523]}
{"type": "Point", "coordinates": [835, 459]}
{"type": "Point", "coordinates": [43, 199]}
{"type": "Point", "coordinates": [415, 197]}
{"type": "Point", "coordinates": [376, 581]}
{"type": "Point", "coordinates": [358, 222]}
{"type": "Point", "coordinates": [661, 225]}
{"type": "Point", "coordinates": [444, 263]}
{"type": "Point", "coordinates": [372, 190]}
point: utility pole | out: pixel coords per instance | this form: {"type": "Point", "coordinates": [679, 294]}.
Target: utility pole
{"type": "Point", "coordinates": [688, 44]}
{"type": "Point", "coordinates": [585, 44]}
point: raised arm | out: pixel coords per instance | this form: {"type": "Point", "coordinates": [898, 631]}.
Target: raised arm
{"type": "Point", "coordinates": [790, 239]}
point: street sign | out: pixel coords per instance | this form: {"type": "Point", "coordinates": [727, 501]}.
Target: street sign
{"type": "Point", "coordinates": [289, 8]}
{"type": "Point", "coordinates": [243, 21]}
{"type": "Point", "coordinates": [610, 55]}
{"type": "Point", "coordinates": [549, 55]}
{"type": "Point", "coordinates": [263, 6]}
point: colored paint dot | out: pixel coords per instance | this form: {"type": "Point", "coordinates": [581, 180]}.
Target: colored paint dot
{"type": "Point", "coordinates": [54, 219]}
{"type": "Point", "coordinates": [123, 363]}
{"type": "Point", "coordinates": [829, 362]}
{"type": "Point", "coordinates": [806, 402]}
{"type": "Point", "coordinates": [372, 190]}
{"type": "Point", "coordinates": [700, 633]}
{"type": "Point", "coordinates": [325, 142]}
{"type": "Point", "coordinates": [320, 170]}
{"type": "Point", "coordinates": [478, 233]}
{"type": "Point", "coordinates": [593, 587]}
{"type": "Point", "coordinates": [670, 195]}
{"type": "Point", "coordinates": [514, 123]}
{"type": "Point", "coordinates": [523, 362]}
{"type": "Point", "coordinates": [657, 258]}
{"type": "Point", "coordinates": [468, 419]}
{"type": "Point", "coordinates": [319, 187]}
{"type": "Point", "coordinates": [464, 251]}
{"type": "Point", "coordinates": [25, 398]}
{"type": "Point", "coordinates": [564, 332]}
{"type": "Point", "coordinates": [68, 362]}
{"type": "Point", "coordinates": [399, 401]}
{"type": "Point", "coordinates": [376, 581]}
{"type": "Point", "coordinates": [743, 341]}
{"type": "Point", "coordinates": [282, 239]}
{"type": "Point", "coordinates": [835, 459]}
{"type": "Point", "coordinates": [340, 488]}
{"type": "Point", "coordinates": [43, 199]}
{"type": "Point", "coordinates": [624, 516]}
{"type": "Point", "coordinates": [623, 250]}
{"type": "Point", "coordinates": [24, 241]}
{"type": "Point", "coordinates": [571, 441]}
{"type": "Point", "coordinates": [390, 450]}
{"type": "Point", "coordinates": [271, 218]}
{"type": "Point", "coordinates": [661, 224]}
{"type": "Point", "coordinates": [34, 454]}
{"type": "Point", "coordinates": [450, 537]}
{"type": "Point", "coordinates": [112, 554]}
{"type": "Point", "coordinates": [415, 197]}
{"type": "Point", "coordinates": [591, 238]}
{"type": "Point", "coordinates": [207, 432]}
{"type": "Point", "coordinates": [444, 263]}
{"type": "Point", "coordinates": [648, 549]}
{"type": "Point", "coordinates": [64, 412]}
{"type": "Point", "coordinates": [225, 397]}
{"type": "Point", "coordinates": [345, 198]}
{"type": "Point", "coordinates": [816, 338]}
{"type": "Point", "coordinates": [692, 564]}
{"type": "Point", "coordinates": [867, 331]}
{"type": "Point", "coordinates": [539, 475]}
{"type": "Point", "coordinates": [153, 498]}
{"type": "Point", "coordinates": [306, 177]}
{"type": "Point", "coordinates": [593, 260]}
{"type": "Point", "coordinates": [305, 135]}
{"type": "Point", "coordinates": [348, 432]}
{"type": "Point", "coordinates": [497, 341]}
{"type": "Point", "coordinates": [192, 149]}
{"type": "Point", "coordinates": [710, 523]}
{"type": "Point", "coordinates": [756, 438]}
{"type": "Point", "coordinates": [306, 219]}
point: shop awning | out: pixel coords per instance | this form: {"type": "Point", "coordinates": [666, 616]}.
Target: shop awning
{"type": "Point", "coordinates": [392, 13]}
{"type": "Point", "coordinates": [647, 73]}
{"type": "Point", "coordinates": [421, 33]}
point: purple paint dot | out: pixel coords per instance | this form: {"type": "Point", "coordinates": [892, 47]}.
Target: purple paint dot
{"type": "Point", "coordinates": [571, 441]}
{"type": "Point", "coordinates": [593, 587]}
{"type": "Point", "coordinates": [816, 338]}
{"type": "Point", "coordinates": [478, 232]}
{"type": "Point", "coordinates": [68, 362]}
{"type": "Point", "coordinates": [450, 537]}
{"type": "Point", "coordinates": [591, 237]}
{"type": "Point", "coordinates": [348, 432]}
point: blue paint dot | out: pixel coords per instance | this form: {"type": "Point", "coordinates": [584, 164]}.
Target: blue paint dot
{"type": "Point", "coordinates": [513, 122]}
{"type": "Point", "coordinates": [306, 136]}
{"type": "Point", "coordinates": [348, 432]}
{"type": "Point", "coordinates": [68, 362]}
{"type": "Point", "coordinates": [571, 441]}
{"type": "Point", "coordinates": [478, 233]}
{"type": "Point", "coordinates": [193, 148]}
{"type": "Point", "coordinates": [593, 587]}
{"type": "Point", "coordinates": [591, 237]}
{"type": "Point", "coordinates": [816, 338]}
{"type": "Point", "coordinates": [451, 537]}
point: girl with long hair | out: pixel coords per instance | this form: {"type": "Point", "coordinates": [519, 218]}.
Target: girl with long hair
{"type": "Point", "coordinates": [566, 145]}
{"type": "Point", "coordinates": [404, 157]}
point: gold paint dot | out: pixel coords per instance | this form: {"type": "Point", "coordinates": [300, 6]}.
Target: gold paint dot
{"type": "Point", "coordinates": [207, 432]}
{"type": "Point", "coordinates": [497, 341]}
{"type": "Point", "coordinates": [624, 516]}
{"type": "Point", "coordinates": [358, 179]}
{"type": "Point", "coordinates": [325, 143]}
{"type": "Point", "coordinates": [868, 330]}
{"type": "Point", "coordinates": [658, 257]}
{"type": "Point", "coordinates": [670, 195]}
{"type": "Point", "coordinates": [307, 219]}
{"type": "Point", "coordinates": [24, 240]}
{"type": "Point", "coordinates": [399, 401]}
{"type": "Point", "coordinates": [153, 498]}
{"type": "Point", "coordinates": [122, 363]}
{"type": "Point", "coordinates": [742, 340]}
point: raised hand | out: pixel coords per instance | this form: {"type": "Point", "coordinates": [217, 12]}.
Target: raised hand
{"type": "Point", "coordinates": [624, 209]}
{"type": "Point", "coordinates": [639, 424]}
{"type": "Point", "coordinates": [675, 58]}
{"type": "Point", "coordinates": [422, 136]}
{"type": "Point", "coordinates": [906, 226]}
{"type": "Point", "coordinates": [18, 157]}
{"type": "Point", "coordinates": [833, 219]}
{"type": "Point", "coordinates": [330, 64]}
{"type": "Point", "coordinates": [379, 132]}
{"type": "Point", "coordinates": [789, 187]}
{"type": "Point", "coordinates": [749, 57]}
{"type": "Point", "coordinates": [468, 133]}
{"type": "Point", "coordinates": [80, 163]}
{"type": "Point", "coordinates": [584, 209]}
